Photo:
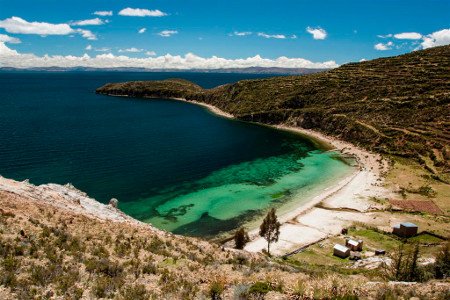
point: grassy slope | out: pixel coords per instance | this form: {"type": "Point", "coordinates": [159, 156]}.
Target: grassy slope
{"type": "Point", "coordinates": [49, 252]}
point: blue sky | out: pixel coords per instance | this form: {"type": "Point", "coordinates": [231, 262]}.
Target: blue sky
{"type": "Point", "coordinates": [344, 30]}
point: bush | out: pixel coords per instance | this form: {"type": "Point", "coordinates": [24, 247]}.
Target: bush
{"type": "Point", "coordinates": [149, 268]}
{"type": "Point", "coordinates": [260, 288]}
{"type": "Point", "coordinates": [105, 287]}
{"type": "Point", "coordinates": [442, 264]}
{"type": "Point", "coordinates": [103, 266]}
{"type": "Point", "coordinates": [241, 238]}
{"type": "Point", "coordinates": [134, 292]}
{"type": "Point", "coordinates": [216, 290]}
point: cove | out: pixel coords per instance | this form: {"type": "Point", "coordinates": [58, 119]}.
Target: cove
{"type": "Point", "coordinates": [173, 164]}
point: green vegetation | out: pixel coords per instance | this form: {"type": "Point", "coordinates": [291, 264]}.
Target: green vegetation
{"type": "Point", "coordinates": [241, 238]}
{"type": "Point", "coordinates": [270, 228]}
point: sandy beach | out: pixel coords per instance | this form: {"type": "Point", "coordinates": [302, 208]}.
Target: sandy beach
{"type": "Point", "coordinates": [337, 206]}
{"type": "Point", "coordinates": [211, 108]}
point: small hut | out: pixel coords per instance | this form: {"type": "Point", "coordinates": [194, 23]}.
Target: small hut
{"type": "Point", "coordinates": [405, 229]}
{"type": "Point", "coordinates": [354, 245]}
{"type": "Point", "coordinates": [341, 251]}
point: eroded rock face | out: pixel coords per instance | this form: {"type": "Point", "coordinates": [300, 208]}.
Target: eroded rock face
{"type": "Point", "coordinates": [114, 202]}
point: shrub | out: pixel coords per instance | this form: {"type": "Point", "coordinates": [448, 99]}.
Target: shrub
{"type": "Point", "coordinates": [149, 268]}
{"type": "Point", "coordinates": [68, 279]}
{"type": "Point", "coordinates": [10, 263]}
{"type": "Point", "coordinates": [105, 287]}
{"type": "Point", "coordinates": [134, 292]}
{"type": "Point", "coordinates": [442, 264]}
{"type": "Point", "coordinates": [241, 238]}
{"type": "Point", "coordinates": [103, 266]}
{"type": "Point", "coordinates": [260, 288]}
{"type": "Point", "coordinates": [215, 290]}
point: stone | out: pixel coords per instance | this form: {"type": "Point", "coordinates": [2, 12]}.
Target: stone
{"type": "Point", "coordinates": [380, 252]}
{"type": "Point", "coordinates": [355, 255]}
{"type": "Point", "coordinates": [114, 202]}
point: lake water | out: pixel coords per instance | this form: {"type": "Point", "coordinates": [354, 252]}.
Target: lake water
{"type": "Point", "coordinates": [170, 163]}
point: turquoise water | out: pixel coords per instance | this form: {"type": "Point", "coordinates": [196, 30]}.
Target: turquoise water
{"type": "Point", "coordinates": [173, 164]}
{"type": "Point", "coordinates": [239, 193]}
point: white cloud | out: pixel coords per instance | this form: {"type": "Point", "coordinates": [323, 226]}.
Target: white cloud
{"type": "Point", "coordinates": [383, 47]}
{"type": "Point", "coordinates": [142, 30]}
{"type": "Point", "coordinates": [103, 49]}
{"type": "Point", "coordinates": [141, 12]}
{"type": "Point", "coordinates": [385, 36]}
{"type": "Point", "coordinates": [132, 50]}
{"type": "Point", "coordinates": [87, 34]}
{"type": "Point", "coordinates": [88, 47]}
{"type": "Point", "coordinates": [150, 53]}
{"type": "Point", "coordinates": [271, 36]}
{"type": "Point", "coordinates": [19, 25]}
{"type": "Point", "coordinates": [11, 58]}
{"type": "Point", "coordinates": [9, 39]}
{"type": "Point", "coordinates": [437, 38]}
{"type": "Point", "coordinates": [167, 33]}
{"type": "Point", "coordinates": [95, 21]}
{"type": "Point", "coordinates": [242, 33]}
{"type": "Point", "coordinates": [408, 36]}
{"type": "Point", "coordinates": [317, 33]}
{"type": "Point", "coordinates": [362, 60]}
{"type": "Point", "coordinates": [103, 13]}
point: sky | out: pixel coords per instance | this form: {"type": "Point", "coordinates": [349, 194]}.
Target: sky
{"type": "Point", "coordinates": [215, 34]}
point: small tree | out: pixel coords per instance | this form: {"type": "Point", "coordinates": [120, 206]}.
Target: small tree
{"type": "Point", "coordinates": [442, 264]}
{"type": "Point", "coordinates": [270, 228]}
{"type": "Point", "coordinates": [241, 238]}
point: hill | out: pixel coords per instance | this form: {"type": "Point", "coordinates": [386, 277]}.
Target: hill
{"type": "Point", "coordinates": [57, 243]}
{"type": "Point", "coordinates": [397, 106]}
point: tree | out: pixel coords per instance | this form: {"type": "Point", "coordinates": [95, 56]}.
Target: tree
{"type": "Point", "coordinates": [442, 264]}
{"type": "Point", "coordinates": [241, 238]}
{"type": "Point", "coordinates": [270, 228]}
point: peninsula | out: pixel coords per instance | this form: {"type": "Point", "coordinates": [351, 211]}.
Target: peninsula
{"type": "Point", "coordinates": [392, 114]}
{"type": "Point", "coordinates": [395, 106]}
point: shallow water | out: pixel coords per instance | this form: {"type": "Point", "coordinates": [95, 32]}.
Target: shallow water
{"type": "Point", "coordinates": [170, 163]}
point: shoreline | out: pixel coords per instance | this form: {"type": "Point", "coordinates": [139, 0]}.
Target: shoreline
{"type": "Point", "coordinates": [347, 193]}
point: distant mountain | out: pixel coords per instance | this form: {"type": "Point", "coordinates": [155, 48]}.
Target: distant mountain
{"type": "Point", "coordinates": [398, 105]}
{"type": "Point", "coordinates": [250, 70]}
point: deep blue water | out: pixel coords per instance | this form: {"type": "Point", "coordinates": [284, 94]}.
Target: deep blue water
{"type": "Point", "coordinates": [54, 128]}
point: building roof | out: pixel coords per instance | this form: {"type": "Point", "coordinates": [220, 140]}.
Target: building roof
{"type": "Point", "coordinates": [353, 242]}
{"type": "Point", "coordinates": [408, 224]}
{"type": "Point", "coordinates": [341, 248]}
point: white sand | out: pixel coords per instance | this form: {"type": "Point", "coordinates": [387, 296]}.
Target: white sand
{"type": "Point", "coordinates": [306, 225]}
